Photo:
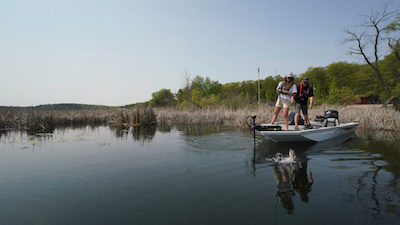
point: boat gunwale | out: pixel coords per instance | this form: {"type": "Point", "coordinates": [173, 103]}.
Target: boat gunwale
{"type": "Point", "coordinates": [301, 132]}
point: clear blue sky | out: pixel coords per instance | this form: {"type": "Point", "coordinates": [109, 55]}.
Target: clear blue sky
{"type": "Point", "coordinates": [119, 52]}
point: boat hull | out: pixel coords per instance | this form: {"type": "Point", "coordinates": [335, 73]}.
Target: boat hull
{"type": "Point", "coordinates": [310, 135]}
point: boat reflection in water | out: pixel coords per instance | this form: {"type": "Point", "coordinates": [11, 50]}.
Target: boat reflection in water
{"type": "Point", "coordinates": [292, 178]}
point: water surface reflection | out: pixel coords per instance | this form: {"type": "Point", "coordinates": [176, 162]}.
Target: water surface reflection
{"type": "Point", "coordinates": [138, 133]}
{"type": "Point", "coordinates": [362, 172]}
{"type": "Point", "coordinates": [194, 175]}
{"type": "Point", "coordinates": [291, 179]}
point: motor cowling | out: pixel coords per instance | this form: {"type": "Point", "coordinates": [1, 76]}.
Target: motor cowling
{"type": "Point", "coordinates": [330, 116]}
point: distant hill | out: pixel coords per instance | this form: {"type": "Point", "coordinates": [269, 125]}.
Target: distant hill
{"type": "Point", "coordinates": [62, 106]}
{"type": "Point", "coordinates": [139, 104]}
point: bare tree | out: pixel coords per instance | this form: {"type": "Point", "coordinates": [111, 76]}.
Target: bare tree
{"type": "Point", "coordinates": [369, 41]}
{"type": "Point", "coordinates": [187, 80]}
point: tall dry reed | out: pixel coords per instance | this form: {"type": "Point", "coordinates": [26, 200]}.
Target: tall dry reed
{"type": "Point", "coordinates": [217, 115]}
{"type": "Point", "coordinates": [47, 120]}
{"type": "Point", "coordinates": [370, 117]}
{"type": "Point", "coordinates": [133, 117]}
{"type": "Point", "coordinates": [373, 117]}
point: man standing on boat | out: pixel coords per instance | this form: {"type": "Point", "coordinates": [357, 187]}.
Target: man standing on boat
{"type": "Point", "coordinates": [304, 91]}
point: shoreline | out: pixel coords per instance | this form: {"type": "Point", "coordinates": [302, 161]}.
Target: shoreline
{"type": "Point", "coordinates": [370, 117]}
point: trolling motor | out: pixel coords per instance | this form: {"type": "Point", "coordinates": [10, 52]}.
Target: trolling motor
{"type": "Point", "coordinates": [250, 123]}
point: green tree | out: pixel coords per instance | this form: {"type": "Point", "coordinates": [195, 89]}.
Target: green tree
{"type": "Point", "coordinates": [393, 39]}
{"type": "Point", "coordinates": [365, 82]}
{"type": "Point", "coordinates": [248, 92]}
{"type": "Point", "coordinates": [229, 95]}
{"type": "Point", "coordinates": [184, 96]}
{"type": "Point", "coordinates": [199, 92]}
{"type": "Point", "coordinates": [319, 80]}
{"type": "Point", "coordinates": [341, 74]}
{"type": "Point", "coordinates": [341, 95]}
{"type": "Point", "coordinates": [268, 87]}
{"type": "Point", "coordinates": [163, 98]}
{"type": "Point", "coordinates": [205, 86]}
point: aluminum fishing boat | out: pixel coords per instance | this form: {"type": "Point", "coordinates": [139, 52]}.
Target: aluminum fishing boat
{"type": "Point", "coordinates": [316, 134]}
{"type": "Point", "coordinates": [325, 127]}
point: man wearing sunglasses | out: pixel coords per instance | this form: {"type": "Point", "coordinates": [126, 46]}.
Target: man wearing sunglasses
{"type": "Point", "coordinates": [304, 92]}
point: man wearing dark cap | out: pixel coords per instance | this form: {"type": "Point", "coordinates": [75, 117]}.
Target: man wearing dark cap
{"type": "Point", "coordinates": [304, 91]}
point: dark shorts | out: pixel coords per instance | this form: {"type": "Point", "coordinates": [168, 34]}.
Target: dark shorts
{"type": "Point", "coordinates": [303, 107]}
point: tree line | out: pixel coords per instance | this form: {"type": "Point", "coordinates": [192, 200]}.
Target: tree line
{"type": "Point", "coordinates": [337, 83]}
{"type": "Point", "coordinates": [61, 106]}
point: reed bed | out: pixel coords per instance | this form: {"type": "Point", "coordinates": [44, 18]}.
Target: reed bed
{"type": "Point", "coordinates": [47, 120]}
{"type": "Point", "coordinates": [370, 116]}
{"type": "Point", "coordinates": [375, 117]}
{"type": "Point", "coordinates": [216, 116]}
{"type": "Point", "coordinates": [133, 117]}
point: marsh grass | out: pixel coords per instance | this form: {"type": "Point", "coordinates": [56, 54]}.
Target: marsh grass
{"type": "Point", "coordinates": [214, 116]}
{"type": "Point", "coordinates": [373, 117]}
{"type": "Point", "coordinates": [133, 117]}
{"type": "Point", "coordinates": [47, 120]}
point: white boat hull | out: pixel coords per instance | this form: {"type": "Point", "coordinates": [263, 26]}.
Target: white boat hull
{"type": "Point", "coordinates": [310, 135]}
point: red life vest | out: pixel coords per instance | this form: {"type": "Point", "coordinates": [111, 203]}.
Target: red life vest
{"type": "Point", "coordinates": [301, 89]}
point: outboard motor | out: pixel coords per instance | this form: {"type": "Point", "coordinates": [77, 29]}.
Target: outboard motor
{"type": "Point", "coordinates": [330, 116]}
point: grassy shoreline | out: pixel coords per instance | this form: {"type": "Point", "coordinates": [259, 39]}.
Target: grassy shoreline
{"type": "Point", "coordinates": [369, 116]}
{"type": "Point", "coordinates": [47, 120]}
{"type": "Point", "coordinates": [372, 117]}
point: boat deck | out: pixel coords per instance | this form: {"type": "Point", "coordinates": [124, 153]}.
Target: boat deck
{"type": "Point", "coordinates": [314, 125]}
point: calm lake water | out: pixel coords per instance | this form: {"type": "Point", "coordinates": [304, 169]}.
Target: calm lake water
{"type": "Point", "coordinates": [194, 175]}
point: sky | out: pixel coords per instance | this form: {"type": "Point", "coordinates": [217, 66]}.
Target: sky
{"type": "Point", "coordinates": [120, 52]}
